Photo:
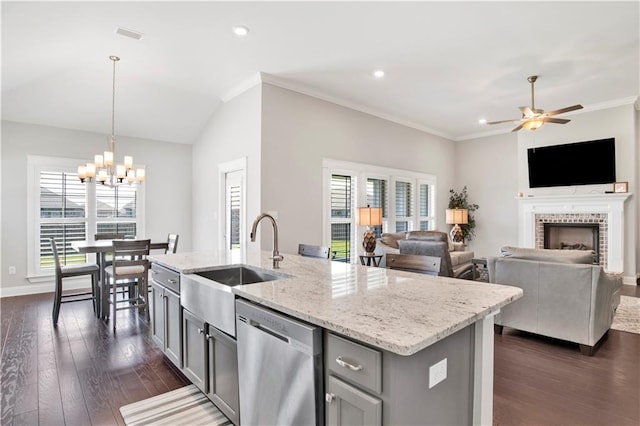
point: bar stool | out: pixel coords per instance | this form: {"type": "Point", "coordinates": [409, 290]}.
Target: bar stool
{"type": "Point", "coordinates": [73, 271]}
{"type": "Point", "coordinates": [172, 244]}
{"type": "Point", "coordinates": [130, 269]}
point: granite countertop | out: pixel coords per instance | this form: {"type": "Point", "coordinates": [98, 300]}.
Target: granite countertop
{"type": "Point", "coordinates": [396, 311]}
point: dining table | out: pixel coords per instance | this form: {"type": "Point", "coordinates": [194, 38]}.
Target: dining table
{"type": "Point", "coordinates": [102, 248]}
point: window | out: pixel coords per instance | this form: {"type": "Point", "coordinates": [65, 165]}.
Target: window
{"type": "Point", "coordinates": [406, 198]}
{"type": "Point", "coordinates": [426, 217]}
{"type": "Point", "coordinates": [341, 216]}
{"type": "Point", "coordinates": [62, 207]}
{"type": "Point", "coordinates": [377, 197]}
{"type": "Point", "coordinates": [404, 204]}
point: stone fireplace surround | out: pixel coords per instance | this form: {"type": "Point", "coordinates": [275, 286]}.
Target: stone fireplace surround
{"type": "Point", "coordinates": [605, 209]}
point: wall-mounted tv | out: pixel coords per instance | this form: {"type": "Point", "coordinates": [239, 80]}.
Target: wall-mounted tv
{"type": "Point", "coordinates": [581, 163]}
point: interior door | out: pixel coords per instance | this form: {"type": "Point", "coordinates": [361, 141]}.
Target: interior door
{"type": "Point", "coordinates": [234, 210]}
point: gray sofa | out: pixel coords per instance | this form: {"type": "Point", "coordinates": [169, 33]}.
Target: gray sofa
{"type": "Point", "coordinates": [455, 259]}
{"type": "Point", "coordinates": [566, 296]}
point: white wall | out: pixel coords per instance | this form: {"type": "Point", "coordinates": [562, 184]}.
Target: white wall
{"type": "Point", "coordinates": [488, 166]}
{"type": "Point", "coordinates": [233, 132]}
{"type": "Point", "coordinates": [298, 131]}
{"type": "Point", "coordinates": [167, 187]}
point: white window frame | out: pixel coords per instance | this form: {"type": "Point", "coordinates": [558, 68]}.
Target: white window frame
{"type": "Point", "coordinates": [360, 172]}
{"type": "Point", "coordinates": [328, 220]}
{"type": "Point", "coordinates": [37, 164]}
{"type": "Point", "coordinates": [238, 165]}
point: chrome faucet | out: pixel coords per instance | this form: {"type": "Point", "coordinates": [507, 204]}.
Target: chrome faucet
{"type": "Point", "coordinates": [277, 257]}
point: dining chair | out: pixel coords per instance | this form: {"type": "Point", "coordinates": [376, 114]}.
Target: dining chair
{"type": "Point", "coordinates": [309, 250]}
{"type": "Point", "coordinates": [109, 236]}
{"type": "Point", "coordinates": [172, 244]}
{"type": "Point", "coordinates": [68, 271]}
{"type": "Point", "coordinates": [414, 263]}
{"type": "Point", "coordinates": [130, 270]}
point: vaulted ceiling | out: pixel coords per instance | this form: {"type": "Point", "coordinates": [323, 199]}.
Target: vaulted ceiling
{"type": "Point", "coordinates": [447, 64]}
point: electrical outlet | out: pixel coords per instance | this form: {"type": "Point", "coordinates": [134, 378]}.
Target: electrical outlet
{"type": "Point", "coordinates": [12, 270]}
{"type": "Point", "coordinates": [437, 373]}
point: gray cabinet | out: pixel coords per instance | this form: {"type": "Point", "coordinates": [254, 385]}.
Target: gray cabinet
{"type": "Point", "coordinates": [348, 405]}
{"type": "Point", "coordinates": [354, 381]}
{"type": "Point", "coordinates": [166, 313]}
{"type": "Point", "coordinates": [194, 350]}
{"type": "Point", "coordinates": [222, 386]}
{"type": "Point", "coordinates": [210, 361]}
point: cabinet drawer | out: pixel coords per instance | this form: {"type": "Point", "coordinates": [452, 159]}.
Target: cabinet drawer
{"type": "Point", "coordinates": [166, 277]}
{"type": "Point", "coordinates": [354, 362]}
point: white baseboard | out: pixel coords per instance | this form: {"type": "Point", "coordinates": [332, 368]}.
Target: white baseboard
{"type": "Point", "coordinates": [629, 280]}
{"type": "Point", "coordinates": [74, 283]}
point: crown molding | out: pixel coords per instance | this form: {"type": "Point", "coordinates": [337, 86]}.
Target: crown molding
{"type": "Point", "coordinates": [305, 90]}
{"type": "Point", "coordinates": [261, 77]}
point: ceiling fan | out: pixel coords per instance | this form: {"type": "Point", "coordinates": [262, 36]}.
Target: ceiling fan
{"type": "Point", "coordinates": [533, 118]}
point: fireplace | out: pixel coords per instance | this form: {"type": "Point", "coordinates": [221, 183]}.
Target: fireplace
{"type": "Point", "coordinates": [605, 210]}
{"type": "Point", "coordinates": [572, 236]}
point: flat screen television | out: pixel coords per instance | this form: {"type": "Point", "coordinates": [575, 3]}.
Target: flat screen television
{"type": "Point", "coordinates": [581, 163]}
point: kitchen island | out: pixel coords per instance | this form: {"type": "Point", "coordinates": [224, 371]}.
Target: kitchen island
{"type": "Point", "coordinates": [402, 314]}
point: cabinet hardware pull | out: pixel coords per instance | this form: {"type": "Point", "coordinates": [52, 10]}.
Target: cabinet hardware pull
{"type": "Point", "coordinates": [200, 331]}
{"type": "Point", "coordinates": [208, 336]}
{"type": "Point", "coordinates": [345, 364]}
{"type": "Point", "coordinates": [172, 281]}
{"type": "Point", "coordinates": [330, 397]}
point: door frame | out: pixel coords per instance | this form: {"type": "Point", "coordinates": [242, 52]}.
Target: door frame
{"type": "Point", "coordinates": [238, 165]}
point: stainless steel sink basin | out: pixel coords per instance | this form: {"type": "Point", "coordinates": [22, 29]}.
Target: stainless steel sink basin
{"type": "Point", "coordinates": [237, 275]}
{"type": "Point", "coordinates": [208, 294]}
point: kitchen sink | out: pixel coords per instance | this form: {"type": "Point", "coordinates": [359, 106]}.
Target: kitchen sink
{"type": "Point", "coordinates": [209, 296]}
{"type": "Point", "coordinates": [237, 275]}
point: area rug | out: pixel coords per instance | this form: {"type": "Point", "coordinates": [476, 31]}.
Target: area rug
{"type": "Point", "coordinates": [627, 316]}
{"type": "Point", "coordinates": [184, 406]}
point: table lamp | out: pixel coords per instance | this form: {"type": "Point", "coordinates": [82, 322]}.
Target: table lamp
{"type": "Point", "coordinates": [369, 216]}
{"type": "Point", "coordinates": [457, 217]}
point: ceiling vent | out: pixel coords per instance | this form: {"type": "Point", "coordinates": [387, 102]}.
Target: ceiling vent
{"type": "Point", "coordinates": [128, 33]}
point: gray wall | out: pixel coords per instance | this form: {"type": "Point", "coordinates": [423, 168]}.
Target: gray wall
{"type": "Point", "coordinates": [298, 131]}
{"type": "Point", "coordinates": [168, 183]}
{"type": "Point", "coordinates": [233, 132]}
{"type": "Point", "coordinates": [488, 166]}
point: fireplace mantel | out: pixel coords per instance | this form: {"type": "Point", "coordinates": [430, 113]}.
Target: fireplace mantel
{"type": "Point", "coordinates": [610, 204]}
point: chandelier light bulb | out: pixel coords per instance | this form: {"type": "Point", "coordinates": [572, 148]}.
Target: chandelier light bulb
{"type": "Point", "coordinates": [99, 161]}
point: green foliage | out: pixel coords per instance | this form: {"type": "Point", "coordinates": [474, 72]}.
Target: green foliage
{"type": "Point", "coordinates": [458, 200]}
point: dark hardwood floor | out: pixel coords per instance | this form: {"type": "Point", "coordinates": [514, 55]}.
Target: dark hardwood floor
{"type": "Point", "coordinates": [80, 373]}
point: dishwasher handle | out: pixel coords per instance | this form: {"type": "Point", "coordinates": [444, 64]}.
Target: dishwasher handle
{"type": "Point", "coordinates": [269, 331]}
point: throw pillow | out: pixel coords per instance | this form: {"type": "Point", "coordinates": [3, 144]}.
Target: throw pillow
{"type": "Point", "coordinates": [549, 255]}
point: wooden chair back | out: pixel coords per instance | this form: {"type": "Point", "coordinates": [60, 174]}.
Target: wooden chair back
{"type": "Point", "coordinates": [309, 250]}
{"type": "Point", "coordinates": [172, 244]}
{"type": "Point", "coordinates": [109, 236]}
{"type": "Point", "coordinates": [130, 258]}
{"type": "Point", "coordinates": [414, 263]}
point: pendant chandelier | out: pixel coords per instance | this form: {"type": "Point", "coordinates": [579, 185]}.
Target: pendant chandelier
{"type": "Point", "coordinates": [103, 169]}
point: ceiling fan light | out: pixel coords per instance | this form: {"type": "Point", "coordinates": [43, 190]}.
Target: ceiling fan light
{"type": "Point", "coordinates": [533, 124]}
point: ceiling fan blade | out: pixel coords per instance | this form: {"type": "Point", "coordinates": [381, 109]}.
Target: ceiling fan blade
{"type": "Point", "coordinates": [517, 128]}
{"type": "Point", "coordinates": [515, 120]}
{"type": "Point", "coordinates": [555, 120]}
{"type": "Point", "coordinates": [526, 111]}
{"type": "Point", "coordinates": [563, 110]}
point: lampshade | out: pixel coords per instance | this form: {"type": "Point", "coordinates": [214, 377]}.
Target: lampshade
{"type": "Point", "coordinates": [369, 216]}
{"type": "Point", "coordinates": [457, 216]}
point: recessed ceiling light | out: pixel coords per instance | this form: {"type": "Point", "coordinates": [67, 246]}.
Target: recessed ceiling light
{"type": "Point", "coordinates": [482, 121]}
{"type": "Point", "coordinates": [378, 73]}
{"type": "Point", "coordinates": [240, 30]}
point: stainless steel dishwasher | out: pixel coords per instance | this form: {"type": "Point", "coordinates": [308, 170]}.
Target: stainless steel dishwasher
{"type": "Point", "coordinates": [279, 367]}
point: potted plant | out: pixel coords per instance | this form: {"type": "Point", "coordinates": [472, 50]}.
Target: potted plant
{"type": "Point", "coordinates": [458, 200]}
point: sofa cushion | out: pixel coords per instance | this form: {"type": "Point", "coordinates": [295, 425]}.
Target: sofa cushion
{"type": "Point", "coordinates": [460, 257]}
{"type": "Point", "coordinates": [549, 255]}
{"type": "Point", "coordinates": [427, 236]}
{"type": "Point", "coordinates": [392, 239]}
